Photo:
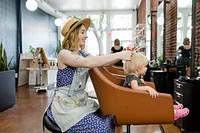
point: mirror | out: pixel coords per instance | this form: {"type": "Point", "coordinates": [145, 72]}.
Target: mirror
{"type": "Point", "coordinates": [160, 32]}
{"type": "Point", "coordinates": [184, 30]}
{"type": "Point", "coordinates": [184, 21]}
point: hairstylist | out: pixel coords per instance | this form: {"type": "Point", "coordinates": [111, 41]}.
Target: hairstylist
{"type": "Point", "coordinates": [71, 109]}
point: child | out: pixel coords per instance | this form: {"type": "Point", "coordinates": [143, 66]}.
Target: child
{"type": "Point", "coordinates": [135, 68]}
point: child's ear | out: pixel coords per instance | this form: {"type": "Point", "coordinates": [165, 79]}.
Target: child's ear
{"type": "Point", "coordinates": [138, 67]}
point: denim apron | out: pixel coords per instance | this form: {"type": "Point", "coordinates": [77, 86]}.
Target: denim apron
{"type": "Point", "coordinates": [70, 103]}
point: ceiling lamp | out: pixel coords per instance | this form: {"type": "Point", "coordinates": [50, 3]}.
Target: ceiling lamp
{"type": "Point", "coordinates": [58, 21]}
{"type": "Point", "coordinates": [31, 5]}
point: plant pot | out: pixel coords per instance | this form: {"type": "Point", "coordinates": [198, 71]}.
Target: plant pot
{"type": "Point", "coordinates": [7, 89]}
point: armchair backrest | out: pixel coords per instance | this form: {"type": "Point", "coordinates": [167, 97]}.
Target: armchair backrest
{"type": "Point", "coordinates": [113, 78]}
{"type": "Point", "coordinates": [115, 70]}
{"type": "Point", "coordinates": [104, 96]}
{"type": "Point", "coordinates": [119, 80]}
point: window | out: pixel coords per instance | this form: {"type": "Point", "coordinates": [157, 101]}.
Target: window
{"type": "Point", "coordinates": [179, 20]}
{"type": "Point", "coordinates": [99, 21]}
{"type": "Point", "coordinates": [107, 26]}
{"type": "Point", "coordinates": [125, 36]}
{"type": "Point", "coordinates": [121, 28]}
{"type": "Point", "coordinates": [123, 21]}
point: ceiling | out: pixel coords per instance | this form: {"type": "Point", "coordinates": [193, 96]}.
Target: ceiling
{"type": "Point", "coordinates": [66, 7]}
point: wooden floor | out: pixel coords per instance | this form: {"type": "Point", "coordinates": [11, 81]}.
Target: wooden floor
{"type": "Point", "coordinates": [26, 115]}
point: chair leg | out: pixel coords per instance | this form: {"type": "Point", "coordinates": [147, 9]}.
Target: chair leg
{"type": "Point", "coordinates": [162, 129]}
{"type": "Point", "coordinates": [128, 127]}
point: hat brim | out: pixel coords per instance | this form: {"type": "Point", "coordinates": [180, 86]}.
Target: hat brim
{"type": "Point", "coordinates": [86, 22]}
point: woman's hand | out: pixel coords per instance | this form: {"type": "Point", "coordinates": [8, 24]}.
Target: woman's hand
{"type": "Point", "coordinates": [126, 55]}
{"type": "Point", "coordinates": [153, 93]}
{"type": "Point", "coordinates": [132, 48]}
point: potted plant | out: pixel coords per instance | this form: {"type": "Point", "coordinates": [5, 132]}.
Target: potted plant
{"type": "Point", "coordinates": [7, 81]}
{"type": "Point", "coordinates": [160, 60]}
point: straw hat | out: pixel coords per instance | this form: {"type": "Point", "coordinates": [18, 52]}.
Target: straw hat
{"type": "Point", "coordinates": [71, 25]}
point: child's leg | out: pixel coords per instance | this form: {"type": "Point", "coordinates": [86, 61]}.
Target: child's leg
{"type": "Point", "coordinates": [178, 106]}
{"type": "Point", "coordinates": [180, 113]}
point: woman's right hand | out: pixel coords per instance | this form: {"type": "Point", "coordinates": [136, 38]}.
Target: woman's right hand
{"type": "Point", "coordinates": [129, 49]}
{"type": "Point", "coordinates": [132, 48]}
{"type": "Point", "coordinates": [126, 55]}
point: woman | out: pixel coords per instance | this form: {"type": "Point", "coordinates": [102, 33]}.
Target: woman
{"type": "Point", "coordinates": [71, 109]}
{"type": "Point", "coordinates": [184, 52]}
{"type": "Point", "coordinates": [117, 48]}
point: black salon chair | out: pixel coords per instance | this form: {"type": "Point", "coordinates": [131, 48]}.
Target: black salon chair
{"type": "Point", "coordinates": [47, 123]}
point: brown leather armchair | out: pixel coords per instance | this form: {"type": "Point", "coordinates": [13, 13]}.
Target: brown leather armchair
{"type": "Point", "coordinates": [130, 107]}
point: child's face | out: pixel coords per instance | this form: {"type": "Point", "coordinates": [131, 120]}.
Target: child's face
{"type": "Point", "coordinates": [142, 70]}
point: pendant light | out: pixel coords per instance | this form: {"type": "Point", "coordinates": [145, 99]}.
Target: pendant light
{"type": "Point", "coordinates": [58, 21]}
{"type": "Point", "coordinates": [31, 5]}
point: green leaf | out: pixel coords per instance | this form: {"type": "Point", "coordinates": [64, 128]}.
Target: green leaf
{"type": "Point", "coordinates": [4, 65]}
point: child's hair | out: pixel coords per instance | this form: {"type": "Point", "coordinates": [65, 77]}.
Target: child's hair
{"type": "Point", "coordinates": [137, 60]}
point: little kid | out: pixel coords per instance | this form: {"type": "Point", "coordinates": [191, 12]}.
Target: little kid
{"type": "Point", "coordinates": [135, 69]}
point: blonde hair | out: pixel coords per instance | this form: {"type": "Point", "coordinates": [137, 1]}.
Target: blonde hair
{"type": "Point", "coordinates": [73, 39]}
{"type": "Point", "coordinates": [137, 60]}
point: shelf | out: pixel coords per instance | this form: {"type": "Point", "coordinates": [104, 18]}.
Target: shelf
{"type": "Point", "coordinates": [26, 60]}
{"type": "Point", "coordinates": [139, 33]}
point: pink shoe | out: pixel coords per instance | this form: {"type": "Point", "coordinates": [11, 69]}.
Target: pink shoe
{"type": "Point", "coordinates": [180, 113]}
{"type": "Point", "coordinates": [178, 106]}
